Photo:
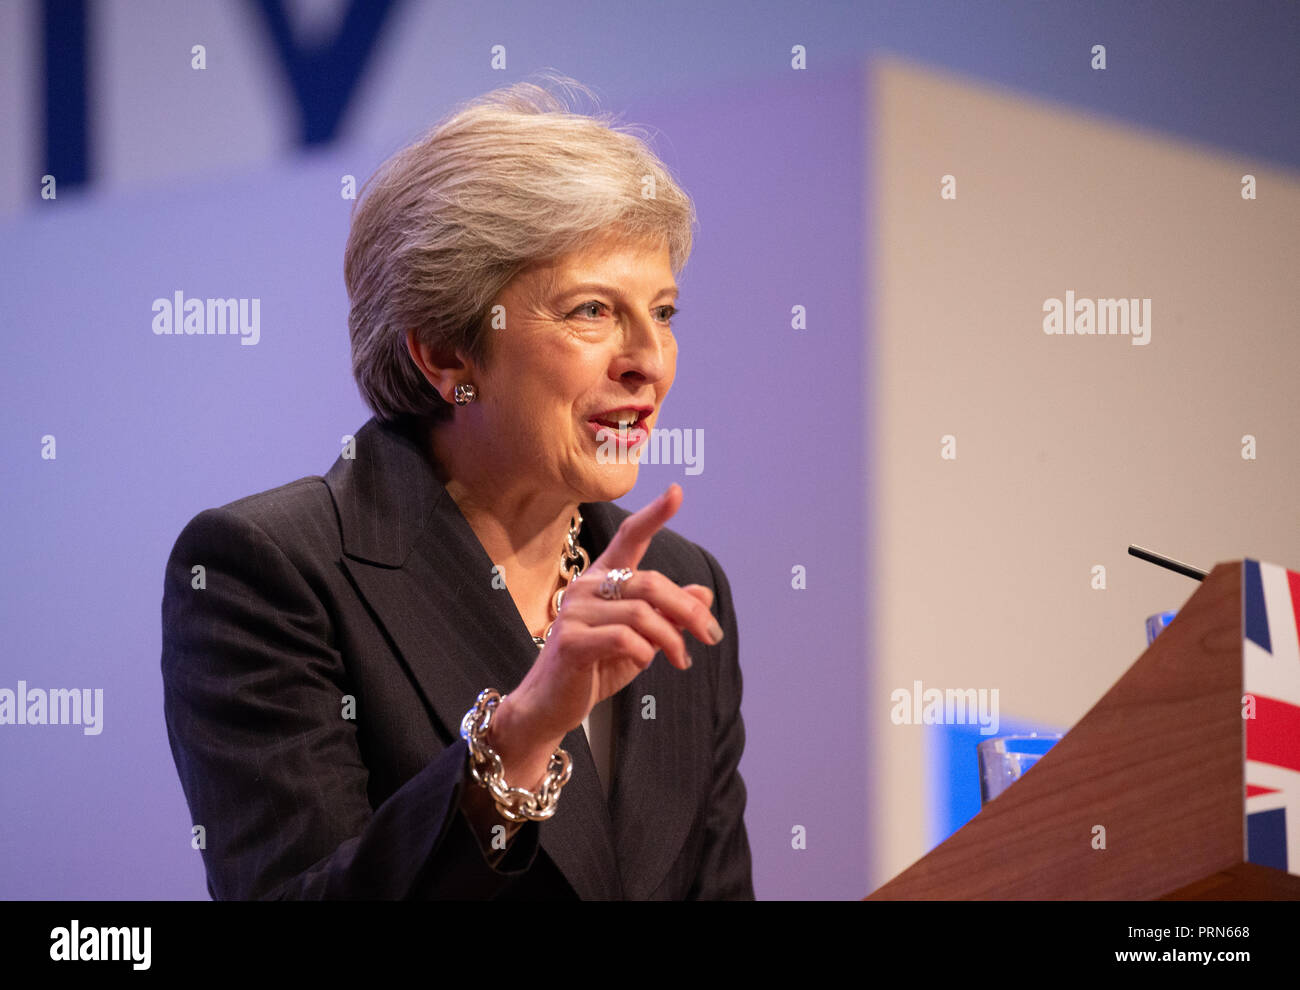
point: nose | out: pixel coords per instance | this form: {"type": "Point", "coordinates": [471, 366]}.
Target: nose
{"type": "Point", "coordinates": [647, 352]}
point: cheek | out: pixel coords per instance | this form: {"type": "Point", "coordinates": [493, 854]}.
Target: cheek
{"type": "Point", "coordinates": [670, 374]}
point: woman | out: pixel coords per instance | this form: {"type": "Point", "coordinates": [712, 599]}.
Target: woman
{"type": "Point", "coordinates": [332, 649]}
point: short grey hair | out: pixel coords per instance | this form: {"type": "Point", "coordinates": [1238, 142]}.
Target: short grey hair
{"type": "Point", "coordinates": [509, 179]}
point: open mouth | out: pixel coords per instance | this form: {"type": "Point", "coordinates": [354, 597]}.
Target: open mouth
{"type": "Point", "coordinates": [620, 430]}
{"type": "Point", "coordinates": [621, 424]}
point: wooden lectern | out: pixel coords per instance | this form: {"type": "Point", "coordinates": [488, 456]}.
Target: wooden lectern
{"type": "Point", "coordinates": [1158, 761]}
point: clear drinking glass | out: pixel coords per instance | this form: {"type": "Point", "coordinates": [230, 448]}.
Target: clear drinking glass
{"type": "Point", "coordinates": [1157, 622]}
{"type": "Point", "coordinates": [1005, 760]}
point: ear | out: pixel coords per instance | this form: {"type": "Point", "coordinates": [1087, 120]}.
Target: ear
{"type": "Point", "coordinates": [443, 370]}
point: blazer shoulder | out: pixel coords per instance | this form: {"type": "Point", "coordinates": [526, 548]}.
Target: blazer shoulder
{"type": "Point", "coordinates": [293, 516]}
{"type": "Point", "coordinates": [305, 497]}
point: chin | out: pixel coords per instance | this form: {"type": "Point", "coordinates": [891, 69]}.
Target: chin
{"type": "Point", "coordinates": [612, 484]}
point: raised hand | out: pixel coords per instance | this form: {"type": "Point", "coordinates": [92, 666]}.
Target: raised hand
{"type": "Point", "coordinates": [597, 646]}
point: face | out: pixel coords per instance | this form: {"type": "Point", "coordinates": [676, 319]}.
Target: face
{"type": "Point", "coordinates": [587, 344]}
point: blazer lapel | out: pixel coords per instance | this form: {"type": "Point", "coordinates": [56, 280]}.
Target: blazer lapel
{"type": "Point", "coordinates": [428, 580]}
{"type": "Point", "coordinates": [656, 770]}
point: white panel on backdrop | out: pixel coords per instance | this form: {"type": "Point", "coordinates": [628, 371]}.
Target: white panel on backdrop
{"type": "Point", "coordinates": [1065, 448]}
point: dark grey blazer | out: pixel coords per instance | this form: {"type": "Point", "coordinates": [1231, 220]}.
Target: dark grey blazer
{"type": "Point", "coordinates": [369, 584]}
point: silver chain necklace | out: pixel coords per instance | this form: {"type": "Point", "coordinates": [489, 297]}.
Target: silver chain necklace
{"type": "Point", "coordinates": [573, 561]}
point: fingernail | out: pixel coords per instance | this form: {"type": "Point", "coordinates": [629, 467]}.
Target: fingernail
{"type": "Point", "coordinates": [715, 631]}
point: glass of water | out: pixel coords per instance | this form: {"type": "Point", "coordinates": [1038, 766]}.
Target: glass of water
{"type": "Point", "coordinates": [1006, 759]}
{"type": "Point", "coordinates": [1157, 622]}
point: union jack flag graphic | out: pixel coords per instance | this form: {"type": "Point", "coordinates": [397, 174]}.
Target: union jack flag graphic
{"type": "Point", "coordinates": [1270, 603]}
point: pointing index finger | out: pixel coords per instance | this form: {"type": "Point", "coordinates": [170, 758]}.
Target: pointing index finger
{"type": "Point", "coordinates": [634, 535]}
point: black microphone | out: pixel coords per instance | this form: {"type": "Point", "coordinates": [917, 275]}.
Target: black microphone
{"type": "Point", "coordinates": [1187, 570]}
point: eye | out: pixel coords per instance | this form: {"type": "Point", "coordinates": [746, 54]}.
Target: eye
{"type": "Point", "coordinates": [590, 309]}
{"type": "Point", "coordinates": [594, 310]}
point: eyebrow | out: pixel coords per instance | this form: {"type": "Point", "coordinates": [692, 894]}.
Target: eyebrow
{"type": "Point", "coordinates": [609, 290]}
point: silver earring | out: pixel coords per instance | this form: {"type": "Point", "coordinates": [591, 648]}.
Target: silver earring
{"type": "Point", "coordinates": [465, 394]}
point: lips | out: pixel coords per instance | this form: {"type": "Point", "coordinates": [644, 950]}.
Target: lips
{"type": "Point", "coordinates": [606, 428]}
{"type": "Point", "coordinates": [610, 417]}
{"type": "Point", "coordinates": [615, 425]}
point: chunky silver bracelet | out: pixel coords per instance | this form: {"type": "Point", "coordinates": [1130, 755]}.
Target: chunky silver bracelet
{"type": "Point", "coordinates": [513, 803]}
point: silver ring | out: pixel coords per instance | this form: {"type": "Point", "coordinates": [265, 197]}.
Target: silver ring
{"type": "Point", "coordinates": [611, 589]}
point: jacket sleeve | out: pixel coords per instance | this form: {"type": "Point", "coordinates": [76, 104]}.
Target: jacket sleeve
{"type": "Point", "coordinates": [271, 768]}
{"type": "Point", "coordinates": [725, 868]}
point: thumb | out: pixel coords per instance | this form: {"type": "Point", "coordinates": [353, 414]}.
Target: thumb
{"type": "Point", "coordinates": [705, 595]}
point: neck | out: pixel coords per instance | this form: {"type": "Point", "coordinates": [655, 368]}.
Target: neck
{"type": "Point", "coordinates": [522, 530]}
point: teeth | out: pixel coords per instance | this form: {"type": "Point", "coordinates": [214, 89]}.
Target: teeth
{"type": "Point", "coordinates": [625, 418]}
